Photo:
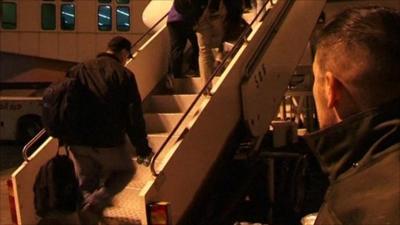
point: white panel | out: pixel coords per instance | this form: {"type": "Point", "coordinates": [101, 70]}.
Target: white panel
{"type": "Point", "coordinates": [131, 37]}
{"type": "Point", "coordinates": [134, 38]}
{"type": "Point", "coordinates": [154, 11]}
{"type": "Point", "coordinates": [86, 47]}
{"type": "Point", "coordinates": [29, 17]}
{"type": "Point", "coordinates": [86, 16]}
{"type": "Point", "coordinates": [48, 45]}
{"type": "Point", "coordinates": [67, 46]}
{"type": "Point", "coordinates": [269, 78]}
{"type": "Point", "coordinates": [137, 8]}
{"type": "Point", "coordinates": [154, 51]}
{"type": "Point", "coordinates": [9, 41]}
{"type": "Point", "coordinates": [29, 43]}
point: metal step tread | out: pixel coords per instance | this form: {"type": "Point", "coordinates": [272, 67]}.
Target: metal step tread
{"type": "Point", "coordinates": [161, 122]}
{"type": "Point", "coordinates": [128, 206]}
{"type": "Point", "coordinates": [168, 103]}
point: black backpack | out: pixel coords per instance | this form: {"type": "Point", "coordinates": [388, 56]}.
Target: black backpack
{"type": "Point", "coordinates": [55, 103]}
{"type": "Point", "coordinates": [56, 187]}
{"type": "Point", "coordinates": [68, 106]}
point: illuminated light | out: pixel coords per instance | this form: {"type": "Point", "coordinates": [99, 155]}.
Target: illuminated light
{"type": "Point", "coordinates": [11, 200]}
{"type": "Point", "coordinates": [159, 212]}
{"type": "Point", "coordinates": [126, 24]}
{"type": "Point", "coordinates": [273, 2]}
{"type": "Point", "coordinates": [68, 14]}
{"type": "Point", "coordinates": [104, 16]}
{"type": "Point", "coordinates": [122, 12]}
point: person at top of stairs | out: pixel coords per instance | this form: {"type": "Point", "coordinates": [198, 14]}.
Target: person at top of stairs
{"type": "Point", "coordinates": [180, 28]}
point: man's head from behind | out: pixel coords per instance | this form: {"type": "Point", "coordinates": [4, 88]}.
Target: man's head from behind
{"type": "Point", "coordinates": [357, 63]}
{"type": "Point", "coordinates": [121, 48]}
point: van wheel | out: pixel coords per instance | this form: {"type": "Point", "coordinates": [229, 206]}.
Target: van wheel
{"type": "Point", "coordinates": [28, 126]}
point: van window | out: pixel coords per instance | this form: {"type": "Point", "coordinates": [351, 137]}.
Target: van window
{"type": "Point", "coordinates": [48, 16]}
{"type": "Point", "coordinates": [68, 16]}
{"type": "Point", "coordinates": [9, 15]}
{"type": "Point", "coordinates": [104, 18]}
{"type": "Point", "coordinates": [123, 18]}
{"type": "Point", "coordinates": [122, 1]}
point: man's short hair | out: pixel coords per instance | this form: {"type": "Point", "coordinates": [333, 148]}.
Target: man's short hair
{"type": "Point", "coordinates": [362, 47]}
{"type": "Point", "coordinates": [118, 43]}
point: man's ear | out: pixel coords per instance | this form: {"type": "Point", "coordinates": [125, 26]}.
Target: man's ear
{"type": "Point", "coordinates": [332, 89]}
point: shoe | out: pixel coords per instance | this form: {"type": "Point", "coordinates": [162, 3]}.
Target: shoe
{"type": "Point", "coordinates": [247, 9]}
{"type": "Point", "coordinates": [184, 76]}
{"type": "Point", "coordinates": [145, 160]}
{"type": "Point", "coordinates": [169, 82]}
{"type": "Point", "coordinates": [217, 62]}
{"type": "Point", "coordinates": [88, 217]}
{"type": "Point", "coordinates": [192, 73]}
{"type": "Point", "coordinates": [208, 94]}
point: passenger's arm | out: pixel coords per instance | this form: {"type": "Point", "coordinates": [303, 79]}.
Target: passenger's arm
{"type": "Point", "coordinates": [136, 127]}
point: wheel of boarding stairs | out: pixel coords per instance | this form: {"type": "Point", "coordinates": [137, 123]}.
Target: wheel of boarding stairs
{"type": "Point", "coordinates": [27, 127]}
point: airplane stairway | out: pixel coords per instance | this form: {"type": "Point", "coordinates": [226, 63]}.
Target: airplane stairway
{"type": "Point", "coordinates": [250, 86]}
{"type": "Point", "coordinates": [186, 160]}
{"type": "Point", "coordinates": [162, 111]}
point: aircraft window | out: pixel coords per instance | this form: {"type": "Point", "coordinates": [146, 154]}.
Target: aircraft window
{"type": "Point", "coordinates": [104, 18]}
{"type": "Point", "coordinates": [48, 16]}
{"type": "Point", "coordinates": [67, 16]}
{"type": "Point", "coordinates": [123, 18]}
{"type": "Point", "coordinates": [8, 15]}
{"type": "Point", "coordinates": [104, 1]}
{"type": "Point", "coordinates": [122, 1]}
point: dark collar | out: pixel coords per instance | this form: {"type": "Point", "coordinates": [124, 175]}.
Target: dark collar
{"type": "Point", "coordinates": [347, 143]}
{"type": "Point", "coordinates": [105, 54]}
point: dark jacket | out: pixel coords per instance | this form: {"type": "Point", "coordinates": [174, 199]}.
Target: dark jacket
{"type": "Point", "coordinates": [190, 9]}
{"type": "Point", "coordinates": [117, 105]}
{"type": "Point", "coordinates": [362, 158]}
{"type": "Point", "coordinates": [193, 9]}
{"type": "Point", "coordinates": [175, 16]}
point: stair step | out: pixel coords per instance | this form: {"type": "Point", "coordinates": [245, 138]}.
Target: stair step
{"type": "Point", "coordinates": [184, 86]}
{"type": "Point", "coordinates": [156, 140]}
{"type": "Point", "coordinates": [187, 85]}
{"type": "Point", "coordinates": [168, 103]}
{"type": "Point", "coordinates": [161, 122]}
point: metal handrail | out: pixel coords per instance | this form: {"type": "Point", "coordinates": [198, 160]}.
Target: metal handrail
{"type": "Point", "coordinates": [148, 31]}
{"type": "Point", "coordinates": [242, 38]}
{"type": "Point", "coordinates": [33, 141]}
